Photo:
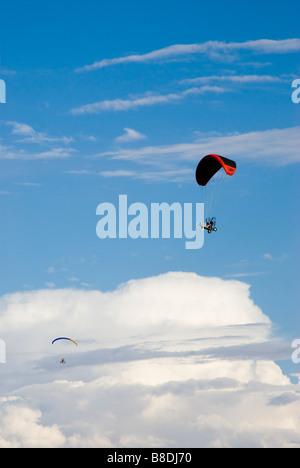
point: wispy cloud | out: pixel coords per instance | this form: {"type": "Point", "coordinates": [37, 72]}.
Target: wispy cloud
{"type": "Point", "coordinates": [28, 184]}
{"type": "Point", "coordinates": [213, 49]}
{"type": "Point", "coordinates": [78, 172]}
{"type": "Point", "coordinates": [276, 146]}
{"type": "Point", "coordinates": [129, 136]}
{"type": "Point", "coordinates": [281, 258]}
{"type": "Point", "coordinates": [176, 162]}
{"type": "Point", "coordinates": [118, 173]}
{"type": "Point", "coordinates": [124, 104]}
{"type": "Point", "coordinates": [49, 147]}
{"type": "Point", "coordinates": [29, 135]}
{"type": "Point", "coordinates": [149, 99]}
{"type": "Point", "coordinates": [245, 274]}
{"type": "Point", "coordinates": [175, 175]}
{"type": "Point", "coordinates": [55, 153]}
{"type": "Point", "coordinates": [159, 174]}
{"type": "Point", "coordinates": [242, 79]}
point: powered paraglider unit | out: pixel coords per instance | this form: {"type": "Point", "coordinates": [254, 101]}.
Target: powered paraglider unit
{"type": "Point", "coordinates": [210, 177]}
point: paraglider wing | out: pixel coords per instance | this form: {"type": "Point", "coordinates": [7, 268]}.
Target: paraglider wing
{"type": "Point", "coordinates": [64, 338]}
{"type": "Point", "coordinates": [210, 165]}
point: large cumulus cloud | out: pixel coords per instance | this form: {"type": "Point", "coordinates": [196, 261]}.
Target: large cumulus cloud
{"type": "Point", "coordinates": [176, 360]}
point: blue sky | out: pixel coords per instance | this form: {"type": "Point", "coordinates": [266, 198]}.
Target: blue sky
{"type": "Point", "coordinates": [110, 98]}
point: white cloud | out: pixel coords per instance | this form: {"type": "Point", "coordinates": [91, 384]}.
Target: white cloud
{"type": "Point", "coordinates": [29, 135]}
{"type": "Point", "coordinates": [50, 269]}
{"type": "Point", "coordinates": [273, 146]}
{"type": "Point", "coordinates": [28, 184]}
{"type": "Point", "coordinates": [118, 173]}
{"type": "Point", "coordinates": [78, 172]}
{"type": "Point", "coordinates": [245, 275]}
{"type": "Point", "coordinates": [125, 104]}
{"type": "Point", "coordinates": [21, 427]}
{"type": "Point", "coordinates": [176, 162]}
{"type": "Point", "coordinates": [21, 129]}
{"type": "Point", "coordinates": [177, 175]}
{"type": "Point", "coordinates": [12, 153]}
{"type": "Point", "coordinates": [213, 49]}
{"type": "Point", "coordinates": [268, 256]}
{"type": "Point", "coordinates": [129, 136]}
{"type": "Point", "coordinates": [234, 79]}
{"type": "Point", "coordinates": [149, 99]}
{"type": "Point", "coordinates": [174, 360]}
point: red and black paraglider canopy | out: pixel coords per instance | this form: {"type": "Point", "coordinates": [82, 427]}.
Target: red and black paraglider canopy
{"type": "Point", "coordinates": [210, 164]}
